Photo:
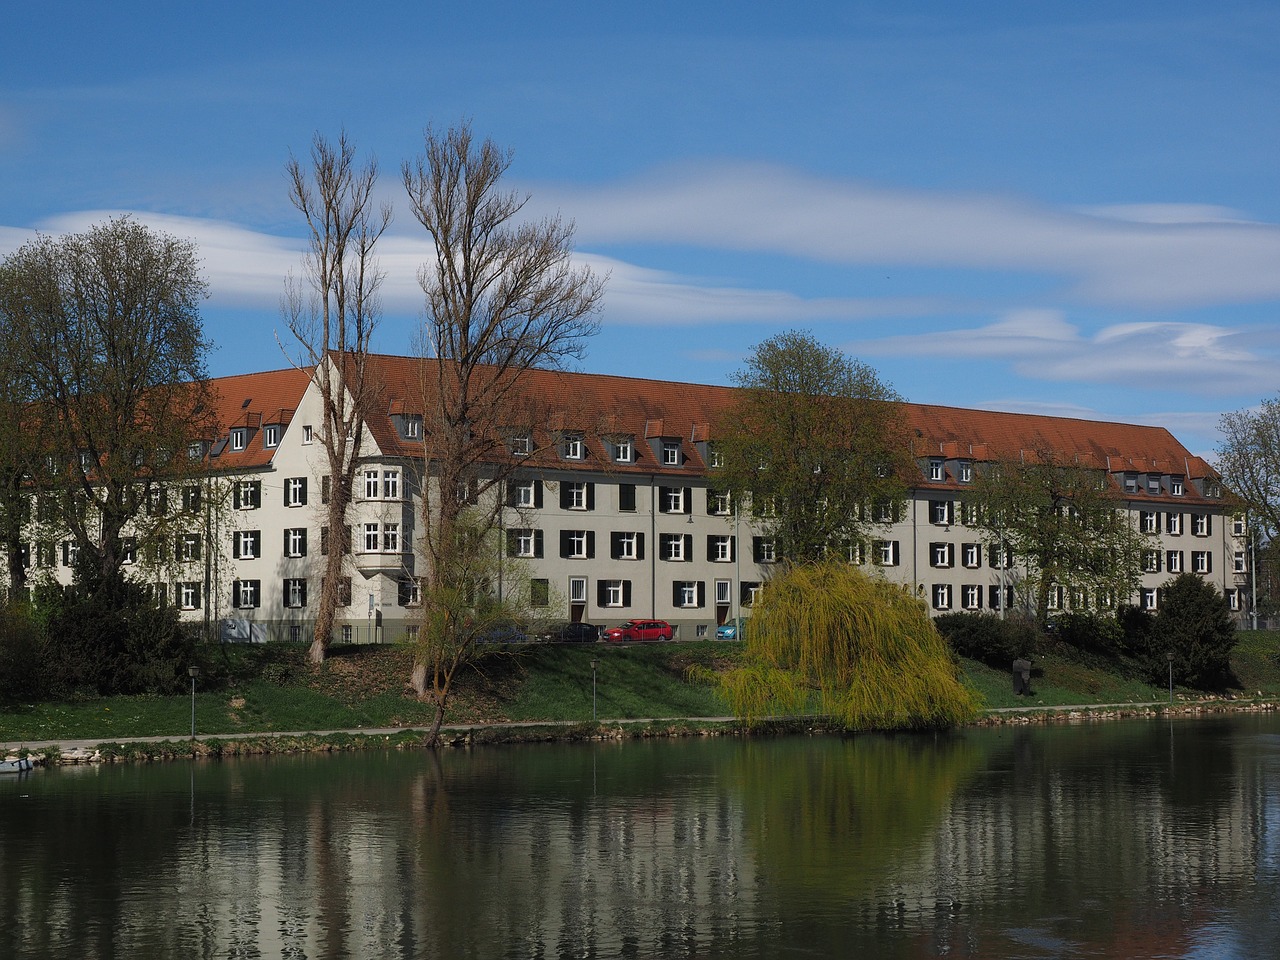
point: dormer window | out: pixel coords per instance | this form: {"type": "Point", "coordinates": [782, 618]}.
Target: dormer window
{"type": "Point", "coordinates": [937, 469]}
{"type": "Point", "coordinates": [196, 450]}
{"type": "Point", "coordinates": [624, 450]}
{"type": "Point", "coordinates": [271, 436]}
{"type": "Point", "coordinates": [716, 458]}
{"type": "Point", "coordinates": [521, 445]}
{"type": "Point", "coordinates": [1153, 483]}
{"type": "Point", "coordinates": [239, 437]}
{"type": "Point", "coordinates": [966, 471]}
{"type": "Point", "coordinates": [573, 447]}
{"type": "Point", "coordinates": [1130, 483]}
{"type": "Point", "coordinates": [1175, 486]}
{"type": "Point", "coordinates": [671, 453]}
{"type": "Point", "coordinates": [413, 427]}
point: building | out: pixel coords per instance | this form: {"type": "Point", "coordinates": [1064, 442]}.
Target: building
{"type": "Point", "coordinates": [611, 515]}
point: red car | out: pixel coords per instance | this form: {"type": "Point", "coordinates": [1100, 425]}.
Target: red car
{"type": "Point", "coordinates": [640, 630]}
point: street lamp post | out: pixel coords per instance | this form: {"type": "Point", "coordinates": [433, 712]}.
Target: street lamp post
{"type": "Point", "coordinates": [594, 663]}
{"type": "Point", "coordinates": [193, 672]}
{"type": "Point", "coordinates": [1171, 676]}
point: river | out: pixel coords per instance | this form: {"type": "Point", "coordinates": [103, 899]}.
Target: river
{"type": "Point", "coordinates": [1123, 839]}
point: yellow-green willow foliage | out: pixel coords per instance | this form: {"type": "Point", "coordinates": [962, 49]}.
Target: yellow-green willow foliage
{"type": "Point", "coordinates": [825, 636]}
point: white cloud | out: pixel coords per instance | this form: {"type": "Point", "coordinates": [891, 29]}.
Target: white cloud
{"type": "Point", "coordinates": [1135, 255]}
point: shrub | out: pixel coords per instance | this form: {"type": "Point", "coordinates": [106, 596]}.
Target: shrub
{"type": "Point", "coordinates": [1092, 633]}
{"type": "Point", "coordinates": [22, 654]}
{"type": "Point", "coordinates": [987, 638]}
{"type": "Point", "coordinates": [1194, 624]}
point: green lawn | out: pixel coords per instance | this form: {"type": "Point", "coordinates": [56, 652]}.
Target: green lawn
{"type": "Point", "coordinates": [271, 688]}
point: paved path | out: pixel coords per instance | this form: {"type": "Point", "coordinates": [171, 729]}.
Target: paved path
{"type": "Point", "coordinates": [68, 746]}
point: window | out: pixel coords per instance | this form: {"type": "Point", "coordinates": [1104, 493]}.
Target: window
{"type": "Point", "coordinates": [749, 592]}
{"type": "Point", "coordinates": [344, 591]}
{"type": "Point", "coordinates": [295, 633]}
{"type": "Point", "coordinates": [524, 542]}
{"type": "Point", "coordinates": [971, 555]}
{"type": "Point", "coordinates": [1238, 526]}
{"type": "Point", "coordinates": [539, 592]}
{"type": "Point", "coordinates": [1130, 483]}
{"type": "Point", "coordinates": [940, 513]}
{"type": "Point", "coordinates": [1151, 561]}
{"type": "Point", "coordinates": [1149, 601]}
{"type": "Point", "coordinates": [1239, 563]}
{"type": "Point", "coordinates": [1200, 526]}
{"type": "Point", "coordinates": [674, 500]}
{"type": "Point", "coordinates": [295, 492]}
{"type": "Point", "coordinates": [413, 426]}
{"type": "Point", "coordinates": [44, 553]}
{"type": "Point", "coordinates": [1173, 524]}
{"type": "Point", "coordinates": [246, 594]}
{"type": "Point", "coordinates": [626, 545]}
{"type": "Point", "coordinates": [271, 436]}
{"type": "Point", "coordinates": [247, 544]}
{"type": "Point", "coordinates": [1233, 599]}
{"type": "Point", "coordinates": [1212, 489]}
{"type": "Point", "coordinates": [1148, 522]}
{"type": "Point", "coordinates": [524, 493]}
{"type": "Point", "coordinates": [188, 546]}
{"type": "Point", "coordinates": [623, 450]}
{"type": "Point", "coordinates": [627, 497]}
{"type": "Point", "coordinates": [574, 496]}
{"type": "Point", "coordinates": [854, 552]}
{"type": "Point", "coordinates": [390, 484]}
{"type": "Point", "coordinates": [409, 592]}
{"type": "Point", "coordinates": [937, 469]}
{"type": "Point", "coordinates": [969, 514]}
{"type": "Point", "coordinates": [295, 592]}
{"type": "Point", "coordinates": [941, 554]}
{"type": "Point", "coordinates": [247, 495]}
{"type": "Point", "coordinates": [971, 597]}
{"type": "Point", "coordinates": [577, 589]}
{"type": "Point", "coordinates": [577, 544]}
{"type": "Point", "coordinates": [308, 435]}
{"type": "Point", "coordinates": [1153, 483]}
{"type": "Point", "coordinates": [521, 445]}
{"type": "Point", "coordinates": [886, 552]}
{"type": "Point", "coordinates": [884, 511]}
{"type": "Point", "coordinates": [671, 453]}
{"type": "Point", "coordinates": [191, 499]}
{"type": "Point", "coordinates": [573, 447]}
{"type": "Point", "coordinates": [346, 633]}
{"type": "Point", "coordinates": [391, 538]}
{"type": "Point", "coordinates": [942, 596]}
{"type": "Point", "coordinates": [372, 537]}
{"type": "Point", "coordinates": [295, 542]}
{"type": "Point", "coordinates": [1175, 486]}
{"type": "Point", "coordinates": [128, 551]}
{"type": "Point", "coordinates": [615, 593]}
{"type": "Point", "coordinates": [1173, 561]}
{"type": "Point", "coordinates": [195, 451]}
{"type": "Point", "coordinates": [724, 593]}
{"type": "Point", "coordinates": [716, 459]}
{"type": "Point", "coordinates": [994, 559]}
{"type": "Point", "coordinates": [689, 594]}
{"type": "Point", "coordinates": [371, 484]}
{"type": "Point", "coordinates": [676, 546]}
{"type": "Point", "coordinates": [718, 504]}
{"type": "Point", "coordinates": [239, 437]}
{"type": "Point", "coordinates": [966, 474]}
{"type": "Point", "coordinates": [764, 550]}
{"type": "Point", "coordinates": [995, 601]}
{"type": "Point", "coordinates": [1200, 561]}
{"type": "Point", "coordinates": [720, 549]}
{"type": "Point", "coordinates": [189, 595]}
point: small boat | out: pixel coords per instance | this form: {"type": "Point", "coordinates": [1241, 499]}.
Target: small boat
{"type": "Point", "coordinates": [16, 765]}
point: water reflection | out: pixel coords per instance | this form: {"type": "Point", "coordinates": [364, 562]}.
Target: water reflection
{"type": "Point", "coordinates": [1113, 840]}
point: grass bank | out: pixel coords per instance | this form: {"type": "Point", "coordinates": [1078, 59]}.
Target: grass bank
{"type": "Point", "coordinates": [265, 689]}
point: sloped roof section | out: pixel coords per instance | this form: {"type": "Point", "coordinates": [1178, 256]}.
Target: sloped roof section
{"type": "Point", "coordinates": [249, 400]}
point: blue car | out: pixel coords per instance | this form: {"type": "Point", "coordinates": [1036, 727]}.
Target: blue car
{"type": "Point", "coordinates": [730, 630]}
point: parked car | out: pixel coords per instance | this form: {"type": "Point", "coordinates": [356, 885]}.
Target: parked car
{"type": "Point", "coordinates": [568, 632]}
{"type": "Point", "coordinates": [640, 630]}
{"type": "Point", "coordinates": [731, 630]}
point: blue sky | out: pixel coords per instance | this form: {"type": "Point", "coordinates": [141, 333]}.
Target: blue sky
{"type": "Point", "coordinates": [1045, 207]}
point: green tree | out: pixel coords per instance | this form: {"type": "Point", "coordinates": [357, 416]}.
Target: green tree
{"type": "Point", "coordinates": [1194, 624]}
{"type": "Point", "coordinates": [332, 313]}
{"type": "Point", "coordinates": [858, 647]}
{"type": "Point", "coordinates": [502, 298]}
{"type": "Point", "coordinates": [812, 441]}
{"type": "Point", "coordinates": [1065, 527]}
{"type": "Point", "coordinates": [105, 328]}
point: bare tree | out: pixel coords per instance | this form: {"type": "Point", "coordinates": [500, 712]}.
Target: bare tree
{"type": "Point", "coordinates": [1249, 458]}
{"type": "Point", "coordinates": [332, 312]}
{"type": "Point", "coordinates": [502, 298]}
{"type": "Point", "coordinates": [105, 329]}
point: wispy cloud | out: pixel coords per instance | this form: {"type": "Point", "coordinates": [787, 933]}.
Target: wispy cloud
{"type": "Point", "coordinates": [1149, 256]}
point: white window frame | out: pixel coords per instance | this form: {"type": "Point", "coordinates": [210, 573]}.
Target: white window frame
{"type": "Point", "coordinates": [720, 504]}
{"type": "Point", "coordinates": [249, 591]}
{"type": "Point", "coordinates": [942, 596]}
{"type": "Point", "coordinates": [271, 435]}
{"type": "Point", "coordinates": [295, 539]}
{"type": "Point", "coordinates": [248, 544]}
{"type": "Point", "coordinates": [521, 445]}
{"type": "Point", "coordinates": [391, 538]}
{"type": "Point", "coordinates": [1173, 524]}
{"type": "Point", "coordinates": [526, 495]}
{"type": "Point", "coordinates": [937, 469]}
{"type": "Point", "coordinates": [295, 491]}
{"type": "Point", "coordinates": [971, 555]}
{"type": "Point", "coordinates": [1239, 562]}
{"type": "Point", "coordinates": [723, 549]}
{"type": "Point", "coordinates": [628, 547]}
{"type": "Point", "coordinates": [1175, 486]}
{"type": "Point", "coordinates": [675, 500]}
{"type": "Point", "coordinates": [966, 471]}
{"type": "Point", "coordinates": [688, 594]}
{"type": "Point", "coordinates": [238, 439]}
{"type": "Point", "coordinates": [308, 434]}
{"type": "Point", "coordinates": [1200, 525]}
{"type": "Point", "coordinates": [372, 538]}
{"type": "Point", "coordinates": [189, 595]}
{"type": "Point", "coordinates": [390, 484]}
{"type": "Point", "coordinates": [372, 484]}
{"type": "Point", "coordinates": [1173, 561]}
{"type": "Point", "coordinates": [1199, 561]}
{"type": "Point", "coordinates": [1233, 600]}
{"type": "Point", "coordinates": [295, 590]}
{"type": "Point", "coordinates": [971, 597]}
{"type": "Point", "coordinates": [673, 546]}
{"type": "Point", "coordinates": [1239, 527]}
{"type": "Point", "coordinates": [577, 494]}
{"type": "Point", "coordinates": [940, 513]}
{"type": "Point", "coordinates": [671, 453]}
{"type": "Point", "coordinates": [577, 545]}
{"type": "Point", "coordinates": [885, 550]}
{"type": "Point", "coordinates": [1149, 521]}
{"type": "Point", "coordinates": [1150, 561]}
{"type": "Point", "coordinates": [724, 592]}
{"type": "Point", "coordinates": [613, 593]}
{"type": "Point", "coordinates": [940, 556]}
{"type": "Point", "coordinates": [578, 589]}
{"type": "Point", "coordinates": [1149, 598]}
{"type": "Point", "coordinates": [768, 550]}
{"type": "Point", "coordinates": [624, 450]}
{"type": "Point", "coordinates": [715, 458]}
{"type": "Point", "coordinates": [574, 447]}
{"type": "Point", "coordinates": [525, 539]}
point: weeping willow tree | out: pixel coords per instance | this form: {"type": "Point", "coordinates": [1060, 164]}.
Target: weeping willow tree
{"type": "Point", "coordinates": [856, 648]}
